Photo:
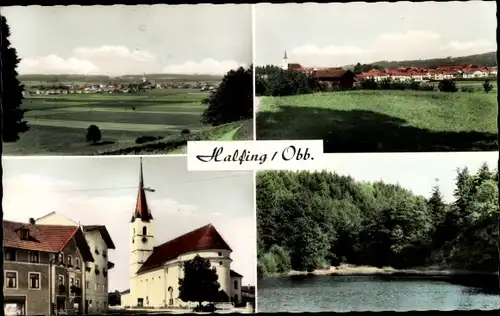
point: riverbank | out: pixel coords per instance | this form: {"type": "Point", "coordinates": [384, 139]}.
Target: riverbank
{"type": "Point", "coordinates": [347, 269]}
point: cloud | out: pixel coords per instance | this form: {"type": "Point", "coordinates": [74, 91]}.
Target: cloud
{"type": "Point", "coordinates": [28, 196]}
{"type": "Point", "coordinates": [207, 66]}
{"type": "Point", "coordinates": [115, 60]}
{"type": "Point", "coordinates": [416, 44]}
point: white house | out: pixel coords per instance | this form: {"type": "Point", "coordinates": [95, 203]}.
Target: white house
{"type": "Point", "coordinates": [155, 270]}
{"type": "Point", "coordinates": [96, 274]}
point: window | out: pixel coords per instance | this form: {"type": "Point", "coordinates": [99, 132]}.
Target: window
{"type": "Point", "coordinates": [10, 255]}
{"type": "Point", "coordinates": [104, 254]}
{"type": "Point", "coordinates": [104, 288]}
{"type": "Point", "coordinates": [61, 258]}
{"type": "Point", "coordinates": [77, 282]}
{"type": "Point", "coordinates": [11, 279]}
{"type": "Point", "coordinates": [96, 250]}
{"type": "Point", "coordinates": [60, 279]}
{"type": "Point", "coordinates": [97, 287]}
{"type": "Point", "coordinates": [77, 263]}
{"type": "Point", "coordinates": [71, 282]}
{"type": "Point", "coordinates": [34, 280]}
{"type": "Point", "coordinates": [24, 234]}
{"type": "Point", "coordinates": [34, 257]}
{"type": "Point", "coordinates": [220, 262]}
{"type": "Point", "coordinates": [144, 231]}
{"type": "Point", "coordinates": [235, 285]}
{"type": "Point", "coordinates": [220, 254]}
{"type": "Point", "coordinates": [70, 261]}
{"type": "Point", "coordinates": [87, 285]}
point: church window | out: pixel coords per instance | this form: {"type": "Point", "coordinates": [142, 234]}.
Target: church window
{"type": "Point", "coordinates": [235, 285]}
{"type": "Point", "coordinates": [220, 254]}
{"type": "Point", "coordinates": [144, 231]}
{"type": "Point", "coordinates": [220, 262]}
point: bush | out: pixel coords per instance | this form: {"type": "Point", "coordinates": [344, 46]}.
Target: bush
{"type": "Point", "coordinates": [467, 89]}
{"type": "Point", "coordinates": [447, 86]}
{"type": "Point", "coordinates": [487, 86]}
{"type": "Point", "coordinates": [147, 139]}
{"type": "Point", "coordinates": [94, 134]}
{"type": "Point", "coordinates": [369, 84]}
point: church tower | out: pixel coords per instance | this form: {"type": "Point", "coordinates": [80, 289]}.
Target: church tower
{"type": "Point", "coordinates": [284, 63]}
{"type": "Point", "coordinates": [142, 234]}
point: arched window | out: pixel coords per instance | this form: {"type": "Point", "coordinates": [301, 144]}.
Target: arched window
{"type": "Point", "coordinates": [235, 285]}
{"type": "Point", "coordinates": [144, 231]}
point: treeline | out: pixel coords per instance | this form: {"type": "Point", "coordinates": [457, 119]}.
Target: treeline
{"type": "Point", "coordinates": [486, 59]}
{"type": "Point", "coordinates": [120, 79]}
{"type": "Point", "coordinates": [310, 220]}
{"type": "Point", "coordinates": [274, 81]}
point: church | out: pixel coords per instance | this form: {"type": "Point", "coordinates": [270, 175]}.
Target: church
{"type": "Point", "coordinates": [155, 269]}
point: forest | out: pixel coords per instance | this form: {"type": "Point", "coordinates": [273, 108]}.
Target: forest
{"type": "Point", "coordinates": [311, 220]}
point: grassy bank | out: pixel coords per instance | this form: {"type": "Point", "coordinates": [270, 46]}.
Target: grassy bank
{"type": "Point", "coordinates": [176, 144]}
{"type": "Point", "coordinates": [367, 121]}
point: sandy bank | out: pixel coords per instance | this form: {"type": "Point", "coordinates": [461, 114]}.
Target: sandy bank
{"type": "Point", "coordinates": [347, 269]}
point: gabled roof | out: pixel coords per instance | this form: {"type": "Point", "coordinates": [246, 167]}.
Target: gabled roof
{"type": "Point", "coordinates": [142, 210]}
{"type": "Point", "coordinates": [45, 238]}
{"type": "Point", "coordinates": [331, 73]}
{"type": "Point", "coordinates": [234, 274]}
{"type": "Point", "coordinates": [104, 234]}
{"type": "Point", "coordinates": [203, 238]}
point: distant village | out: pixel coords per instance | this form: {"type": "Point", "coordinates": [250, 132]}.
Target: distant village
{"type": "Point", "coordinates": [144, 85]}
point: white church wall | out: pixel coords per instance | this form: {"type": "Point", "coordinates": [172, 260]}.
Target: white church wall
{"type": "Point", "coordinates": [236, 288]}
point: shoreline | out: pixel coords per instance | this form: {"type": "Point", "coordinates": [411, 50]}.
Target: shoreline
{"type": "Point", "coordinates": [352, 270]}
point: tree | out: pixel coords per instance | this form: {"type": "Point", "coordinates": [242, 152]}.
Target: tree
{"type": "Point", "coordinates": [185, 132]}
{"type": "Point", "coordinates": [13, 122]}
{"type": "Point", "coordinates": [232, 100]}
{"type": "Point", "coordinates": [94, 134]}
{"type": "Point", "coordinates": [200, 282]}
{"type": "Point", "coordinates": [447, 85]}
{"type": "Point", "coordinates": [487, 86]}
{"type": "Point", "coordinates": [436, 203]}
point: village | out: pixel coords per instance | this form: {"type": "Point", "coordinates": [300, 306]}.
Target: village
{"type": "Point", "coordinates": [85, 88]}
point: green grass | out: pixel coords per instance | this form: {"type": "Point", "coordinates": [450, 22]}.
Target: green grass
{"type": "Point", "coordinates": [58, 122]}
{"type": "Point", "coordinates": [370, 121]}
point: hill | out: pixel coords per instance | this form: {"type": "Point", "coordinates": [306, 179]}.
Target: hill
{"type": "Point", "coordinates": [486, 59]}
{"type": "Point", "coordinates": [119, 79]}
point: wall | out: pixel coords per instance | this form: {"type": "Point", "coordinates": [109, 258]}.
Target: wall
{"type": "Point", "coordinates": [97, 284]}
{"type": "Point", "coordinates": [68, 272]}
{"type": "Point", "coordinates": [236, 291]}
{"type": "Point", "coordinates": [37, 299]}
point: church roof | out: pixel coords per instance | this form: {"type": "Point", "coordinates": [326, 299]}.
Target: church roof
{"type": "Point", "coordinates": [203, 238]}
{"type": "Point", "coordinates": [234, 274]}
{"type": "Point", "coordinates": [142, 210]}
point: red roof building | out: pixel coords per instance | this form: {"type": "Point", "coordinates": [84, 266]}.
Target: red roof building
{"type": "Point", "coordinates": [151, 263]}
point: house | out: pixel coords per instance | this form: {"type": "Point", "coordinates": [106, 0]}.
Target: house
{"type": "Point", "coordinates": [335, 77]}
{"type": "Point", "coordinates": [96, 272]}
{"type": "Point", "coordinates": [43, 268]}
{"type": "Point", "coordinates": [155, 270]}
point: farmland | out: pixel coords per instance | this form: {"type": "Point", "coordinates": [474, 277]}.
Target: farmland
{"type": "Point", "coordinates": [58, 122]}
{"type": "Point", "coordinates": [384, 121]}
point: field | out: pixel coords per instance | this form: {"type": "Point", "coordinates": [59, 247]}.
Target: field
{"type": "Point", "coordinates": [384, 121]}
{"type": "Point", "coordinates": [58, 122]}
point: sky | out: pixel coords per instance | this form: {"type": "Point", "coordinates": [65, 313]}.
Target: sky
{"type": "Point", "coordinates": [341, 34]}
{"type": "Point", "coordinates": [119, 40]}
{"type": "Point", "coordinates": [103, 191]}
{"type": "Point", "coordinates": [414, 171]}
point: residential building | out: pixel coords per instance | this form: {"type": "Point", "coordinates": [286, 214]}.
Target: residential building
{"type": "Point", "coordinates": [155, 270]}
{"type": "Point", "coordinates": [96, 272]}
{"type": "Point", "coordinates": [43, 268]}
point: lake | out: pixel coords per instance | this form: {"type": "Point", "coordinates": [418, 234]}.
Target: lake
{"type": "Point", "coordinates": [368, 293]}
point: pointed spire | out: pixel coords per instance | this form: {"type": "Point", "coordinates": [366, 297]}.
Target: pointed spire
{"type": "Point", "coordinates": [285, 57]}
{"type": "Point", "coordinates": [142, 210]}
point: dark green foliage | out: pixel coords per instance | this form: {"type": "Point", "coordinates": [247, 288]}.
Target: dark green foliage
{"type": "Point", "coordinates": [232, 100]}
{"type": "Point", "coordinates": [147, 138]}
{"type": "Point", "coordinates": [200, 282]}
{"type": "Point", "coordinates": [487, 86]}
{"type": "Point", "coordinates": [447, 86]}
{"type": "Point", "coordinates": [93, 135]}
{"type": "Point", "coordinates": [273, 81]}
{"type": "Point", "coordinates": [309, 220]}
{"type": "Point", "coordinates": [13, 122]}
{"type": "Point", "coordinates": [114, 298]}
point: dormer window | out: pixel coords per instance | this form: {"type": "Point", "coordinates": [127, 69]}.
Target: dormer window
{"type": "Point", "coordinates": [24, 233]}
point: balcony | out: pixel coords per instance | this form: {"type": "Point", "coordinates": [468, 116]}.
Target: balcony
{"type": "Point", "coordinates": [77, 291]}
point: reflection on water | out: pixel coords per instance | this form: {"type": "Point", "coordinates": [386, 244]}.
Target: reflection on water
{"type": "Point", "coordinates": [369, 293]}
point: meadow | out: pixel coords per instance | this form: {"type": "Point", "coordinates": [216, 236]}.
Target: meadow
{"type": "Point", "coordinates": [384, 121]}
{"type": "Point", "coordinates": [58, 123]}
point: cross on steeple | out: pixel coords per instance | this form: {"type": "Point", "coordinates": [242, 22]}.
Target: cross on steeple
{"type": "Point", "coordinates": [142, 210]}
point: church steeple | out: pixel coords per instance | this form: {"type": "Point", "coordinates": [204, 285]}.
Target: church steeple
{"type": "Point", "coordinates": [284, 56]}
{"type": "Point", "coordinates": [142, 210]}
